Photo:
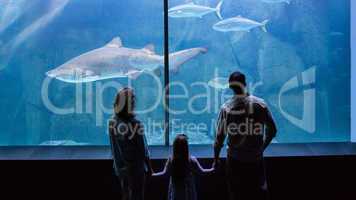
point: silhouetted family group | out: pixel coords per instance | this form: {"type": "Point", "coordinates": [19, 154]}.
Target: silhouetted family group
{"type": "Point", "coordinates": [245, 172]}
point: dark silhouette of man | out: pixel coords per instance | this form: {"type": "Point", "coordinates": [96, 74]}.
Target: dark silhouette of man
{"type": "Point", "coordinates": [249, 127]}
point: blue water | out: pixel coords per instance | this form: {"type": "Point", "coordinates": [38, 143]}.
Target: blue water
{"type": "Point", "coordinates": [307, 39]}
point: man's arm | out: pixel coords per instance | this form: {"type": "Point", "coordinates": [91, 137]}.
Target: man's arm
{"type": "Point", "coordinates": [220, 134]}
{"type": "Point", "coordinates": [271, 129]}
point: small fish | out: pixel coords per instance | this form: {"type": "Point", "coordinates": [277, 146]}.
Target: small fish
{"type": "Point", "coordinates": [238, 24]}
{"type": "Point", "coordinates": [192, 10]}
{"type": "Point", "coordinates": [277, 1]}
{"type": "Point", "coordinates": [219, 83]}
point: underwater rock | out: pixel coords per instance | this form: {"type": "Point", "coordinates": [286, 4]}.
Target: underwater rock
{"type": "Point", "coordinates": [277, 62]}
{"type": "Point", "coordinates": [268, 59]}
{"type": "Point", "coordinates": [35, 116]}
{"type": "Point", "coordinates": [77, 127]}
{"type": "Point", "coordinates": [256, 9]}
{"type": "Point", "coordinates": [310, 23]}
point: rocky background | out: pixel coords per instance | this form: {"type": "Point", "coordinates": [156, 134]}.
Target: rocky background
{"type": "Point", "coordinates": [301, 35]}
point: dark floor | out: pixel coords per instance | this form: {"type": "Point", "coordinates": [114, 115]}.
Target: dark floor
{"type": "Point", "coordinates": [330, 177]}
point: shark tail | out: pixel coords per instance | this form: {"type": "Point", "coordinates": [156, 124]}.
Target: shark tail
{"type": "Point", "coordinates": [263, 27]}
{"type": "Point", "coordinates": [218, 10]}
{"type": "Point", "coordinates": [179, 58]}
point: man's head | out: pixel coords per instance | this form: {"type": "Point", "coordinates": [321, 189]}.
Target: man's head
{"type": "Point", "coordinates": [237, 82]}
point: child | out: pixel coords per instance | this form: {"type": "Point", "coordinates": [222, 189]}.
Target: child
{"type": "Point", "coordinates": [182, 168]}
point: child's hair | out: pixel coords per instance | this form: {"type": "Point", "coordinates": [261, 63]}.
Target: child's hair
{"type": "Point", "coordinates": [180, 157]}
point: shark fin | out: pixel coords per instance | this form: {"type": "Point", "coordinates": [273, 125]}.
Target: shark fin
{"type": "Point", "coordinates": [116, 42]}
{"type": "Point", "coordinates": [150, 47]}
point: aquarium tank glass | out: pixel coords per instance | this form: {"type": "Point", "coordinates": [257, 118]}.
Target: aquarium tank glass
{"type": "Point", "coordinates": [63, 61]}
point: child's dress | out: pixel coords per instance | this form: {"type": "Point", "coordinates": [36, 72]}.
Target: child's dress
{"type": "Point", "coordinates": [185, 188]}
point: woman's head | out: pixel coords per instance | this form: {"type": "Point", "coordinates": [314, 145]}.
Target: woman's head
{"type": "Point", "coordinates": [124, 103]}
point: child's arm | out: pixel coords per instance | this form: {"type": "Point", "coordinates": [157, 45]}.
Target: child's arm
{"type": "Point", "coordinates": [165, 170]}
{"type": "Point", "coordinates": [200, 169]}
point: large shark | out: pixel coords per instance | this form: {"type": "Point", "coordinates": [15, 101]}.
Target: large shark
{"type": "Point", "coordinates": [113, 60]}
